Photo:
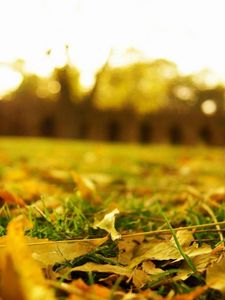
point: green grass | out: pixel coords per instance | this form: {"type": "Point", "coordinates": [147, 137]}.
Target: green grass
{"type": "Point", "coordinates": [135, 179]}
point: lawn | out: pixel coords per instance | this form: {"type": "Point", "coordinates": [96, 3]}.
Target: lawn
{"type": "Point", "coordinates": [99, 221]}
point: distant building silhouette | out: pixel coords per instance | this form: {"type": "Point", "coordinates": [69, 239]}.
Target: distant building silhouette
{"type": "Point", "coordinates": [178, 123]}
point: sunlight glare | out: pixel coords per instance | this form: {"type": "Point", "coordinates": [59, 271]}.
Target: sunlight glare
{"type": "Point", "coordinates": [9, 80]}
{"type": "Point", "coordinates": [160, 29]}
{"type": "Point", "coordinates": [87, 80]}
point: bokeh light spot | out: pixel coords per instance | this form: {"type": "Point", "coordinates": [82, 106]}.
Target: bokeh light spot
{"type": "Point", "coordinates": [209, 107]}
{"type": "Point", "coordinates": [54, 87]}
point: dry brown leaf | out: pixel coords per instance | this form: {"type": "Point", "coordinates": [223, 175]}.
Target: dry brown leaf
{"type": "Point", "coordinates": [156, 250]}
{"type": "Point", "coordinates": [50, 252]}
{"type": "Point", "coordinates": [109, 280]}
{"type": "Point", "coordinates": [167, 250]}
{"type": "Point", "coordinates": [86, 188]}
{"type": "Point", "coordinates": [108, 224]}
{"type": "Point", "coordinates": [138, 277]}
{"type": "Point", "coordinates": [150, 268]}
{"type": "Point", "coordinates": [127, 248]}
{"type": "Point", "coordinates": [9, 198]}
{"type": "Point", "coordinates": [201, 263]}
{"type": "Point", "coordinates": [21, 277]}
{"type": "Point", "coordinates": [184, 237]}
{"type": "Point", "coordinates": [215, 275]}
{"type": "Point", "coordinates": [93, 267]}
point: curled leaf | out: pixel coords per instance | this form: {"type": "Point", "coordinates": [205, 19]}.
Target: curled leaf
{"type": "Point", "coordinates": [108, 224]}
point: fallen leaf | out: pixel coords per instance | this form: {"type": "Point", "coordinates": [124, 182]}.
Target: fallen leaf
{"type": "Point", "coordinates": [128, 248]}
{"type": "Point", "coordinates": [184, 237]}
{"type": "Point", "coordinates": [150, 268]}
{"type": "Point", "coordinates": [167, 250]}
{"type": "Point", "coordinates": [93, 267]}
{"type": "Point", "coordinates": [201, 263]}
{"type": "Point", "coordinates": [215, 275]}
{"type": "Point", "coordinates": [86, 188]}
{"type": "Point", "coordinates": [21, 276]}
{"type": "Point", "coordinates": [9, 198]}
{"type": "Point", "coordinates": [50, 252]}
{"type": "Point", "coordinates": [138, 277]}
{"type": "Point", "coordinates": [108, 224]}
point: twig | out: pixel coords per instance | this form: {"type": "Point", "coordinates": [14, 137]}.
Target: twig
{"type": "Point", "coordinates": [209, 230]}
{"type": "Point", "coordinates": [167, 231]}
{"type": "Point", "coordinates": [211, 213]}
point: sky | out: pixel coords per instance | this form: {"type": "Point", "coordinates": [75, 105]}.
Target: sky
{"type": "Point", "coordinates": [188, 32]}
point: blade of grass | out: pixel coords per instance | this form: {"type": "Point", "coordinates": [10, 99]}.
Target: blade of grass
{"type": "Point", "coordinates": [185, 256]}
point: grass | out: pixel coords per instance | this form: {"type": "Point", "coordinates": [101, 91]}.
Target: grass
{"type": "Point", "coordinates": [154, 187]}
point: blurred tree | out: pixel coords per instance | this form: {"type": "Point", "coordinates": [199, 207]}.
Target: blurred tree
{"type": "Point", "coordinates": [196, 88]}
{"type": "Point", "coordinates": [182, 88]}
{"type": "Point", "coordinates": [62, 85]}
{"type": "Point", "coordinates": [142, 86]}
{"type": "Point", "coordinates": [68, 79]}
{"type": "Point", "coordinates": [27, 89]}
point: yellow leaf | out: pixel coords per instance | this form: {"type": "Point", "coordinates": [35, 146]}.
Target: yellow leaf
{"type": "Point", "coordinates": [201, 263]}
{"type": "Point", "coordinates": [108, 224]}
{"type": "Point", "coordinates": [127, 248]}
{"type": "Point", "coordinates": [21, 276]}
{"type": "Point", "coordinates": [167, 250]}
{"type": "Point", "coordinates": [93, 267]}
{"type": "Point", "coordinates": [86, 188]}
{"type": "Point", "coordinates": [215, 275]}
{"type": "Point", "coordinates": [150, 268]}
{"type": "Point", "coordinates": [50, 252]}
{"type": "Point", "coordinates": [138, 277]}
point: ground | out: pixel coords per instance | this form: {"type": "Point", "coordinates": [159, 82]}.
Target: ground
{"type": "Point", "coordinates": [100, 221]}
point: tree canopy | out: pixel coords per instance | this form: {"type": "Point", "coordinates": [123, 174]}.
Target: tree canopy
{"type": "Point", "coordinates": [141, 85]}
